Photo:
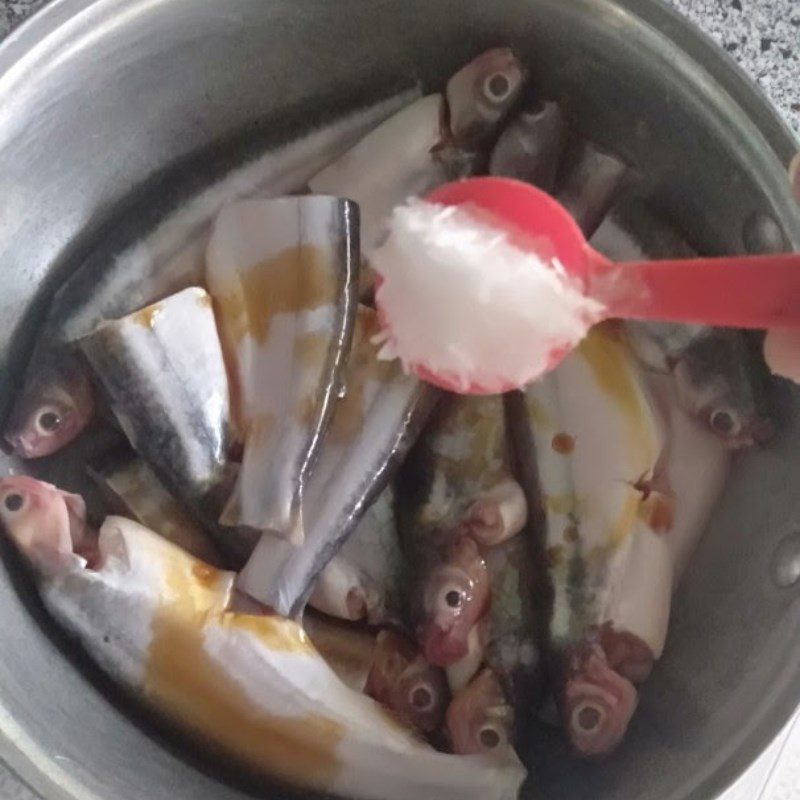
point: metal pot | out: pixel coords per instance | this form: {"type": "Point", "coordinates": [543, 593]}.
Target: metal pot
{"type": "Point", "coordinates": [111, 108]}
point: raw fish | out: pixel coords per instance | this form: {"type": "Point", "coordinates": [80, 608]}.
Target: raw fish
{"type": "Point", "coordinates": [283, 274]}
{"type": "Point", "coordinates": [426, 144]}
{"type": "Point", "coordinates": [532, 145]}
{"type": "Point", "coordinates": [598, 478]}
{"type": "Point", "coordinates": [591, 184]}
{"type": "Point", "coordinates": [374, 423]}
{"type": "Point", "coordinates": [720, 374]}
{"type": "Point", "coordinates": [164, 373]}
{"type": "Point", "coordinates": [455, 496]}
{"type": "Point", "coordinates": [55, 404]}
{"type": "Point", "coordinates": [131, 489]}
{"type": "Point", "coordinates": [364, 579]}
{"type": "Point", "coordinates": [159, 621]}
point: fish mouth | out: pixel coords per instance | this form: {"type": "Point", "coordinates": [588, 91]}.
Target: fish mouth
{"type": "Point", "coordinates": [442, 648]}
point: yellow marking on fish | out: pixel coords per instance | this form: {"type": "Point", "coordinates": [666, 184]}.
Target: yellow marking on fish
{"type": "Point", "coordinates": [296, 279]}
{"type": "Point", "coordinates": [146, 317]}
{"type": "Point", "coordinates": [311, 350]}
{"type": "Point", "coordinates": [204, 300]}
{"type": "Point", "coordinates": [564, 504]}
{"type": "Point", "coordinates": [538, 413]}
{"type": "Point", "coordinates": [609, 359]}
{"type": "Point", "coordinates": [260, 428]}
{"type": "Point", "coordinates": [186, 682]}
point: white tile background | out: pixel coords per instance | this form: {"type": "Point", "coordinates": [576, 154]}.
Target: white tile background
{"type": "Point", "coordinates": [764, 36]}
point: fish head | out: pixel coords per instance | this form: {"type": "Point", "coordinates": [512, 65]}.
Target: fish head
{"type": "Point", "coordinates": [407, 684]}
{"type": "Point", "coordinates": [455, 597]}
{"type": "Point", "coordinates": [719, 384]}
{"type": "Point", "coordinates": [480, 719]}
{"type": "Point", "coordinates": [480, 94]}
{"type": "Point", "coordinates": [598, 703]}
{"type": "Point", "coordinates": [55, 406]}
{"type": "Point", "coordinates": [44, 522]}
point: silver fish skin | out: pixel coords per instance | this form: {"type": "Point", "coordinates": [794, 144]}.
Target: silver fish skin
{"type": "Point", "coordinates": [591, 184]}
{"type": "Point", "coordinates": [374, 424]}
{"type": "Point", "coordinates": [284, 275]}
{"type": "Point", "coordinates": [720, 374]}
{"type": "Point", "coordinates": [131, 489]}
{"type": "Point", "coordinates": [163, 371]}
{"type": "Point", "coordinates": [531, 146]}
{"type": "Point", "coordinates": [363, 581]}
{"type": "Point", "coordinates": [114, 283]}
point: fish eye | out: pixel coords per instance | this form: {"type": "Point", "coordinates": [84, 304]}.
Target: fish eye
{"type": "Point", "coordinates": [453, 597]}
{"type": "Point", "coordinates": [587, 718]}
{"type": "Point", "coordinates": [497, 87]}
{"type": "Point", "coordinates": [724, 421]}
{"type": "Point", "coordinates": [49, 420]}
{"type": "Point", "coordinates": [489, 737]}
{"type": "Point", "coordinates": [421, 697]}
{"type": "Point", "coordinates": [13, 502]}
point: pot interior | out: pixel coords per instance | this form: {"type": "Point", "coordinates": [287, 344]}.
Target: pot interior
{"type": "Point", "coordinates": [128, 108]}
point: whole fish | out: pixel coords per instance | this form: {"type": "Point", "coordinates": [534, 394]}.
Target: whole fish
{"type": "Point", "coordinates": [163, 371]}
{"type": "Point", "coordinates": [426, 144]}
{"type": "Point", "coordinates": [375, 422]}
{"type": "Point", "coordinates": [283, 274]}
{"type": "Point", "coordinates": [590, 448]}
{"type": "Point", "coordinates": [364, 579]}
{"type": "Point", "coordinates": [531, 146]}
{"type": "Point", "coordinates": [456, 495]}
{"type": "Point", "coordinates": [131, 489]}
{"type": "Point", "coordinates": [125, 274]}
{"type": "Point", "coordinates": [720, 374]}
{"type": "Point", "coordinates": [479, 718]}
{"type": "Point", "coordinates": [591, 182]}
{"type": "Point", "coordinates": [252, 686]}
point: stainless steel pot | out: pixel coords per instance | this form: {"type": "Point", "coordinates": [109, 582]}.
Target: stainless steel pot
{"type": "Point", "coordinates": [112, 109]}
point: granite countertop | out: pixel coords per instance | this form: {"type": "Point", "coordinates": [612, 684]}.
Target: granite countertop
{"type": "Point", "coordinates": [764, 37]}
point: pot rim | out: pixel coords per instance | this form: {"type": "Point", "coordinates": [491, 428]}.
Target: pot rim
{"type": "Point", "coordinates": [20, 53]}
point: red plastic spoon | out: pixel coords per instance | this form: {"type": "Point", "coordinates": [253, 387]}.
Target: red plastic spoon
{"type": "Point", "coordinates": [736, 291]}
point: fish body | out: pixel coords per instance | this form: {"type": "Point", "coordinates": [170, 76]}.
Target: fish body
{"type": "Point", "coordinates": [163, 371]}
{"type": "Point", "coordinates": [283, 274]}
{"type": "Point", "coordinates": [364, 579]}
{"type": "Point", "coordinates": [455, 498]}
{"type": "Point", "coordinates": [252, 686]}
{"type": "Point", "coordinates": [379, 416]}
{"type": "Point", "coordinates": [132, 490]}
{"type": "Point", "coordinates": [591, 182]}
{"type": "Point", "coordinates": [598, 436]}
{"type": "Point", "coordinates": [55, 403]}
{"type": "Point", "coordinates": [720, 374]}
{"type": "Point", "coordinates": [437, 139]}
{"type": "Point", "coordinates": [531, 147]}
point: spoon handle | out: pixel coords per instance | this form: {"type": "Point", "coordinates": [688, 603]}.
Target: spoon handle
{"type": "Point", "coordinates": [737, 292]}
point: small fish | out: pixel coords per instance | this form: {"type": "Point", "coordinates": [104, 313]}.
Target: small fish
{"type": "Point", "coordinates": [125, 274]}
{"type": "Point", "coordinates": [479, 718]}
{"type": "Point", "coordinates": [480, 95]}
{"type": "Point", "coordinates": [531, 146]}
{"type": "Point", "coordinates": [403, 681]}
{"type": "Point", "coordinates": [131, 489]}
{"type": "Point", "coordinates": [364, 579]}
{"type": "Point", "coordinates": [589, 447]}
{"type": "Point", "coordinates": [456, 495]}
{"type": "Point", "coordinates": [379, 416]}
{"type": "Point", "coordinates": [283, 274]}
{"type": "Point", "coordinates": [720, 374]}
{"type": "Point", "coordinates": [425, 144]}
{"type": "Point", "coordinates": [251, 685]}
{"type": "Point", "coordinates": [163, 371]}
{"type": "Point", "coordinates": [590, 185]}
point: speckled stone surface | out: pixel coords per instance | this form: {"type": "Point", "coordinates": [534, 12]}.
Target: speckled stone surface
{"type": "Point", "coordinates": [764, 37]}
